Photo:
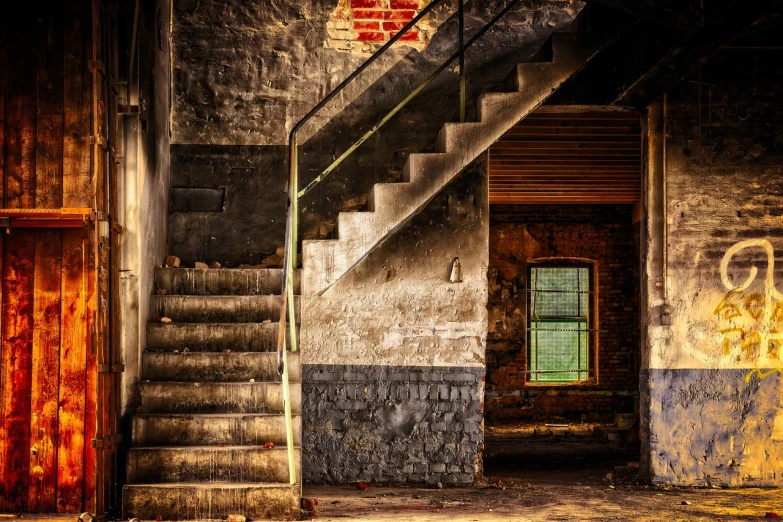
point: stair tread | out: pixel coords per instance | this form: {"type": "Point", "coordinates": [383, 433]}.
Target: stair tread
{"type": "Point", "coordinates": [233, 447]}
{"type": "Point", "coordinates": [214, 415]}
{"type": "Point", "coordinates": [213, 485]}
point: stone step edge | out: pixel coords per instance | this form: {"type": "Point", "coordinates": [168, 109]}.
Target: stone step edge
{"type": "Point", "coordinates": [215, 447]}
{"type": "Point", "coordinates": [215, 485]}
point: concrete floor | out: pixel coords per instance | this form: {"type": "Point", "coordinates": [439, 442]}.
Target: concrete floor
{"type": "Point", "coordinates": [545, 477]}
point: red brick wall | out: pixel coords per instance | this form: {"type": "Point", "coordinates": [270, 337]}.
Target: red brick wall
{"type": "Point", "coordinates": [374, 20]}
{"type": "Point", "coordinates": [601, 233]}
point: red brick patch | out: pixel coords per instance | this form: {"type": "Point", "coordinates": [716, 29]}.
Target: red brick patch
{"type": "Point", "coordinates": [363, 14]}
{"type": "Point", "coordinates": [406, 16]}
{"type": "Point", "coordinates": [393, 26]}
{"type": "Point", "coordinates": [371, 37]}
{"type": "Point", "coordinates": [364, 4]}
{"type": "Point", "coordinates": [367, 26]}
{"type": "Point", "coordinates": [405, 4]}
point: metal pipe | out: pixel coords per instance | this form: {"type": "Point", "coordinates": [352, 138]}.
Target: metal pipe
{"type": "Point", "coordinates": [665, 206]}
{"type": "Point", "coordinates": [133, 48]}
{"type": "Point", "coordinates": [461, 61]}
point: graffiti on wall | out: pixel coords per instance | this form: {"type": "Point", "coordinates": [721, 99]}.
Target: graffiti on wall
{"type": "Point", "coordinates": [750, 314]}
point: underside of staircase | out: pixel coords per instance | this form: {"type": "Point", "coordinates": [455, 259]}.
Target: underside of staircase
{"type": "Point", "coordinates": [212, 402]}
{"type": "Point", "coordinates": [391, 205]}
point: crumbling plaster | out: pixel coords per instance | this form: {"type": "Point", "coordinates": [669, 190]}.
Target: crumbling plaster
{"type": "Point", "coordinates": [143, 189]}
{"type": "Point", "coordinates": [711, 401]}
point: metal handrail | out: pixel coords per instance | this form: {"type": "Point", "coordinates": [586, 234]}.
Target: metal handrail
{"type": "Point", "coordinates": [287, 307]}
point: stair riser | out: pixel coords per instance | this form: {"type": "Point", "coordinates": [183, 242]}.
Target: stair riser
{"type": "Point", "coordinates": [242, 464]}
{"type": "Point", "coordinates": [218, 309]}
{"type": "Point", "coordinates": [213, 337]}
{"type": "Point", "coordinates": [191, 281]}
{"type": "Point", "coordinates": [216, 397]}
{"type": "Point", "coordinates": [196, 430]}
{"type": "Point", "coordinates": [195, 503]}
{"type": "Point", "coordinates": [216, 366]}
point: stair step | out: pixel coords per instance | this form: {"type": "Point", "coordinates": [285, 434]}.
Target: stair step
{"type": "Point", "coordinates": [213, 337]}
{"type": "Point", "coordinates": [216, 397]}
{"type": "Point", "coordinates": [217, 366]}
{"type": "Point", "coordinates": [198, 501]}
{"type": "Point", "coordinates": [218, 308]}
{"type": "Point", "coordinates": [223, 281]}
{"type": "Point", "coordinates": [208, 464]}
{"type": "Point", "coordinates": [233, 429]}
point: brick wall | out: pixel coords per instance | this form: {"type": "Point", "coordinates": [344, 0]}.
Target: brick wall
{"type": "Point", "coordinates": [601, 233]}
{"type": "Point", "coordinates": [374, 21]}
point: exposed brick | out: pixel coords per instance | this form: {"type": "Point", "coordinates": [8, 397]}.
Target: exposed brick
{"type": "Point", "coordinates": [409, 36]}
{"type": "Point", "coordinates": [393, 26]}
{"type": "Point", "coordinates": [372, 26]}
{"type": "Point", "coordinates": [405, 4]}
{"type": "Point", "coordinates": [364, 4]}
{"type": "Point", "coordinates": [362, 14]}
{"type": "Point", "coordinates": [366, 36]}
{"type": "Point", "coordinates": [405, 16]}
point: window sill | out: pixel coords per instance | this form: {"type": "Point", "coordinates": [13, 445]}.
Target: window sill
{"type": "Point", "coordinates": [566, 385]}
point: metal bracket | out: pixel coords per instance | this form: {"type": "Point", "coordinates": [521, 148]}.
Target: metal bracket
{"type": "Point", "coordinates": [98, 140]}
{"type": "Point", "coordinates": [96, 65]}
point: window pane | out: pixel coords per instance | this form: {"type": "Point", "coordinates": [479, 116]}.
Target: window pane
{"type": "Point", "coordinates": [558, 351]}
{"type": "Point", "coordinates": [559, 292]}
{"type": "Point", "coordinates": [559, 310]}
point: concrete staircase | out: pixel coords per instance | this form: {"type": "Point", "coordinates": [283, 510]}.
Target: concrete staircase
{"type": "Point", "coordinates": [392, 204]}
{"type": "Point", "coordinates": [211, 398]}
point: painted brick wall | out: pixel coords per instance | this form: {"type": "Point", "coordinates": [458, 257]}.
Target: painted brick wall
{"type": "Point", "coordinates": [391, 425]}
{"type": "Point", "coordinates": [602, 233]}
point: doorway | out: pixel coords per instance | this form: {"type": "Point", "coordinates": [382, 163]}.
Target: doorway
{"type": "Point", "coordinates": [563, 344]}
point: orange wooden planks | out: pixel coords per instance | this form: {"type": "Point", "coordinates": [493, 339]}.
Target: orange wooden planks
{"type": "Point", "coordinates": [73, 373]}
{"type": "Point", "coordinates": [20, 112]}
{"type": "Point", "coordinates": [77, 188]}
{"type": "Point", "coordinates": [49, 124]}
{"type": "Point", "coordinates": [45, 371]}
{"type": "Point", "coordinates": [16, 380]}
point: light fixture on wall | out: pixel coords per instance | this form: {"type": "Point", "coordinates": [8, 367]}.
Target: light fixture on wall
{"type": "Point", "coordinates": [455, 275]}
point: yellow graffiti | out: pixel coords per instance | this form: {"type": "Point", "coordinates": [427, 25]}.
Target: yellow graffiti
{"type": "Point", "coordinates": [761, 374]}
{"type": "Point", "coordinates": [760, 314]}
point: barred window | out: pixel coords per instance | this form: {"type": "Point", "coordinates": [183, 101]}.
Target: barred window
{"type": "Point", "coordinates": [559, 319]}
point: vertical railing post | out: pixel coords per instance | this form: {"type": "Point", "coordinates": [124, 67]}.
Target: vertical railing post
{"type": "Point", "coordinates": [287, 303]}
{"type": "Point", "coordinates": [461, 61]}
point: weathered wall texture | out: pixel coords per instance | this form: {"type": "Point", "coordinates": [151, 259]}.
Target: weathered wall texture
{"type": "Point", "coordinates": [245, 75]}
{"type": "Point", "coordinates": [714, 391]}
{"type": "Point", "coordinates": [603, 234]}
{"type": "Point", "coordinates": [394, 350]}
{"type": "Point", "coordinates": [144, 186]}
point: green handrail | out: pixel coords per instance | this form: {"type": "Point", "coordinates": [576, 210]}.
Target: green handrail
{"type": "Point", "coordinates": [288, 308]}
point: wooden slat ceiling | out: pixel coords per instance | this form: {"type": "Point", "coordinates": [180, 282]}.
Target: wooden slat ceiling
{"type": "Point", "coordinates": [568, 157]}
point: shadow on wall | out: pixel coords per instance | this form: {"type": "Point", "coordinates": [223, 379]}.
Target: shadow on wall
{"type": "Point", "coordinates": [251, 225]}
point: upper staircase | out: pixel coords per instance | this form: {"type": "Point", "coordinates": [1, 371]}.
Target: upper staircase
{"type": "Point", "coordinates": [209, 439]}
{"type": "Point", "coordinates": [391, 205]}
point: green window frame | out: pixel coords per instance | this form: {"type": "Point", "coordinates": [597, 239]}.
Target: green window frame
{"type": "Point", "coordinates": [559, 323]}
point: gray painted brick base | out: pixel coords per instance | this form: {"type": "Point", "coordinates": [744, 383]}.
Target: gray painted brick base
{"type": "Point", "coordinates": [391, 425]}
